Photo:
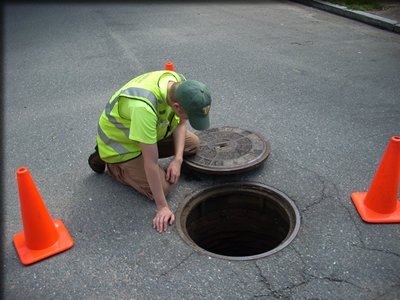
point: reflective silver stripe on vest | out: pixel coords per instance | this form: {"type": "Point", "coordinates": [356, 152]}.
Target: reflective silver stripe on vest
{"type": "Point", "coordinates": [139, 92]}
{"type": "Point", "coordinates": [117, 147]}
{"type": "Point", "coordinates": [133, 91]}
{"type": "Point", "coordinates": [182, 78]}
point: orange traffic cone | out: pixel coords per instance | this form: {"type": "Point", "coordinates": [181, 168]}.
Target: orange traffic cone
{"type": "Point", "coordinates": [169, 66]}
{"type": "Point", "coordinates": [42, 237]}
{"type": "Point", "coordinates": [380, 203]}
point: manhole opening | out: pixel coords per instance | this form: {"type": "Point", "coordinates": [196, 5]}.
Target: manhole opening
{"type": "Point", "coordinates": [238, 221]}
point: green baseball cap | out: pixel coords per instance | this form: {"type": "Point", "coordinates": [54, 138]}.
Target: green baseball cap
{"type": "Point", "coordinates": [195, 98]}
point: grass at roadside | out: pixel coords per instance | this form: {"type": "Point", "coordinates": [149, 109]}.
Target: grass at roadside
{"type": "Point", "coordinates": [358, 4]}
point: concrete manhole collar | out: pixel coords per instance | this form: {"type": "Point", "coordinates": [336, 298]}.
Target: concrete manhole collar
{"type": "Point", "coordinates": [237, 221]}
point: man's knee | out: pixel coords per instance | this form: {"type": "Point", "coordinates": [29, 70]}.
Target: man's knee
{"type": "Point", "coordinates": [166, 188]}
{"type": "Point", "coordinates": [145, 190]}
{"type": "Point", "coordinates": [192, 144]}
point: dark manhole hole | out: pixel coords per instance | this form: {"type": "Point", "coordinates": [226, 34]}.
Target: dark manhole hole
{"type": "Point", "coordinates": [237, 221]}
{"type": "Point", "coordinates": [228, 150]}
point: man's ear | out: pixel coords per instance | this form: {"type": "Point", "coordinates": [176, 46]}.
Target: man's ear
{"type": "Point", "coordinates": [176, 105]}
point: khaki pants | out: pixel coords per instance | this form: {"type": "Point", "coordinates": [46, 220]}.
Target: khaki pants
{"type": "Point", "coordinates": [132, 171]}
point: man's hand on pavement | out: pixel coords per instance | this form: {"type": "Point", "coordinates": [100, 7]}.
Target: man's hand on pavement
{"type": "Point", "coordinates": [160, 222]}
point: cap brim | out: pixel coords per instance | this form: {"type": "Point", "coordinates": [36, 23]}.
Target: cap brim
{"type": "Point", "coordinates": [202, 123]}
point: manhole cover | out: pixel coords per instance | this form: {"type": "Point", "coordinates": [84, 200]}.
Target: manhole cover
{"type": "Point", "coordinates": [237, 221]}
{"type": "Point", "coordinates": [228, 150]}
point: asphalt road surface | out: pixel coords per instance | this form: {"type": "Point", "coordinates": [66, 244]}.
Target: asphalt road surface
{"type": "Point", "coordinates": [322, 89]}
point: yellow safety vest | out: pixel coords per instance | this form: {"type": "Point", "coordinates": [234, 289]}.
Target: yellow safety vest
{"type": "Point", "coordinates": [113, 140]}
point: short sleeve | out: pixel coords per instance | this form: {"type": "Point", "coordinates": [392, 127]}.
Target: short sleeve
{"type": "Point", "coordinates": [143, 123]}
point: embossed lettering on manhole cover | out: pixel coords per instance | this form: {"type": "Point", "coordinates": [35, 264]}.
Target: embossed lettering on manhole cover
{"type": "Point", "coordinates": [228, 150]}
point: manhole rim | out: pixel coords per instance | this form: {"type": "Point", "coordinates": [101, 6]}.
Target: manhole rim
{"type": "Point", "coordinates": [258, 188]}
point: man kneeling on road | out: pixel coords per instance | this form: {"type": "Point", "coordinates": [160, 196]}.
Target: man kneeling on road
{"type": "Point", "coordinates": [146, 120]}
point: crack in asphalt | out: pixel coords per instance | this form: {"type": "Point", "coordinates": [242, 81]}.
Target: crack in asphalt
{"type": "Point", "coordinates": [263, 280]}
{"type": "Point", "coordinates": [377, 250]}
{"type": "Point", "coordinates": [322, 193]}
{"type": "Point", "coordinates": [177, 265]}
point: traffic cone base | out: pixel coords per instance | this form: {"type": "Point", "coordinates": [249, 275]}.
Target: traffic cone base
{"type": "Point", "coordinates": [29, 256]}
{"type": "Point", "coordinates": [42, 236]}
{"type": "Point", "coordinates": [381, 204]}
{"type": "Point", "coordinates": [373, 217]}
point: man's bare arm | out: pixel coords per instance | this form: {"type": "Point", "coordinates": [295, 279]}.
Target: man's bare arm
{"type": "Point", "coordinates": [174, 168]}
{"type": "Point", "coordinates": [150, 156]}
